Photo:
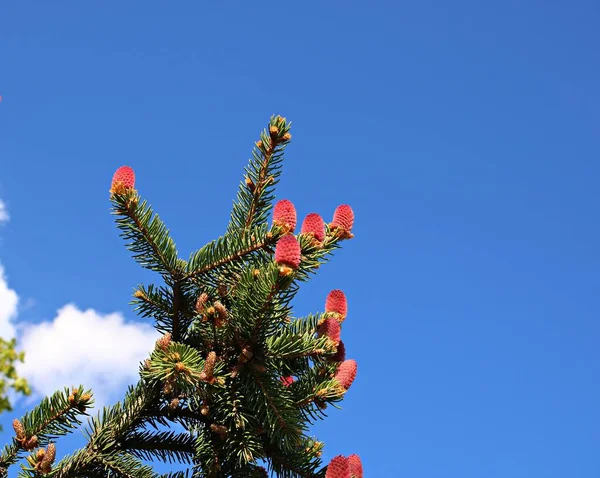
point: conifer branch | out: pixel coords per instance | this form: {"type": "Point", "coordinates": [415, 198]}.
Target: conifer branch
{"type": "Point", "coordinates": [288, 346]}
{"type": "Point", "coordinates": [125, 466]}
{"type": "Point", "coordinates": [277, 413]}
{"type": "Point", "coordinates": [228, 249]}
{"type": "Point", "coordinates": [151, 243]}
{"type": "Point", "coordinates": [255, 193]}
{"type": "Point", "coordinates": [166, 446]}
{"type": "Point", "coordinates": [233, 369]}
{"type": "Point", "coordinates": [299, 462]}
{"type": "Point", "coordinates": [55, 416]}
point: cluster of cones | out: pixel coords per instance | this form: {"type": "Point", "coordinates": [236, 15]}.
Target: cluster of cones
{"type": "Point", "coordinates": [288, 255]}
{"type": "Point", "coordinates": [336, 307]}
{"type": "Point", "coordinates": [288, 251]}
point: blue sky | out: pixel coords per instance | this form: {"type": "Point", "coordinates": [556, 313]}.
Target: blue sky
{"type": "Point", "coordinates": [464, 135]}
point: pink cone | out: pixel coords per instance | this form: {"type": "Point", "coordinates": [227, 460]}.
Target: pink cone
{"type": "Point", "coordinates": [287, 252]}
{"type": "Point", "coordinates": [343, 217]}
{"type": "Point", "coordinates": [124, 175]}
{"type": "Point", "coordinates": [355, 466]}
{"type": "Point", "coordinates": [313, 223]}
{"type": "Point", "coordinates": [331, 328]}
{"type": "Point", "coordinates": [338, 467]}
{"type": "Point", "coordinates": [284, 214]}
{"type": "Point", "coordinates": [336, 302]}
{"type": "Point", "coordinates": [346, 373]}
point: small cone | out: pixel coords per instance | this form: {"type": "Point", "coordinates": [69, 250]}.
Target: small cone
{"type": "Point", "coordinates": [284, 215]}
{"type": "Point", "coordinates": [336, 302]}
{"type": "Point", "coordinates": [330, 328]}
{"type": "Point", "coordinates": [346, 373]}
{"type": "Point", "coordinates": [343, 219]}
{"type": "Point", "coordinates": [314, 224]}
{"type": "Point", "coordinates": [355, 466]}
{"type": "Point", "coordinates": [124, 178]}
{"type": "Point", "coordinates": [287, 252]}
{"type": "Point", "coordinates": [338, 468]}
{"type": "Point", "coordinates": [287, 381]}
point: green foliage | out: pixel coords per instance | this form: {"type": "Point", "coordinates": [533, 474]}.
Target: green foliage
{"type": "Point", "coordinates": [230, 336]}
{"type": "Point", "coordinates": [8, 374]}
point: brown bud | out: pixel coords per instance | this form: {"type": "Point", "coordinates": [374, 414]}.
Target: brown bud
{"type": "Point", "coordinates": [86, 397]}
{"type": "Point", "coordinates": [40, 454]}
{"type": "Point", "coordinates": [180, 367]}
{"type": "Point", "coordinates": [250, 184]}
{"type": "Point", "coordinates": [209, 365]}
{"type": "Point", "coordinates": [168, 388]}
{"type": "Point", "coordinates": [19, 429]}
{"type": "Point", "coordinates": [287, 137]}
{"type": "Point", "coordinates": [273, 130]}
{"type": "Point", "coordinates": [139, 294]}
{"type": "Point", "coordinates": [164, 342]}
{"type": "Point", "coordinates": [31, 443]}
{"type": "Point", "coordinates": [201, 302]}
{"type": "Point", "coordinates": [147, 364]}
{"type": "Point", "coordinates": [45, 464]}
{"type": "Point", "coordinates": [221, 311]}
{"type": "Point", "coordinates": [259, 144]}
{"type": "Point", "coordinates": [204, 410]}
{"type": "Point", "coordinates": [50, 453]}
{"type": "Point", "coordinates": [222, 289]}
{"type": "Point", "coordinates": [71, 399]}
{"type": "Point", "coordinates": [174, 404]}
{"type": "Point", "coordinates": [256, 273]}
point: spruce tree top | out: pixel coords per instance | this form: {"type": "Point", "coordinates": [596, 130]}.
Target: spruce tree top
{"type": "Point", "coordinates": [242, 375]}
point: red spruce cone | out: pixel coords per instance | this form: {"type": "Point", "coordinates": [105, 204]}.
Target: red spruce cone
{"type": "Point", "coordinates": [284, 215]}
{"type": "Point", "coordinates": [346, 373]}
{"type": "Point", "coordinates": [331, 328]}
{"type": "Point", "coordinates": [338, 467]}
{"type": "Point", "coordinates": [287, 381]}
{"type": "Point", "coordinates": [314, 224]}
{"type": "Point", "coordinates": [336, 302]}
{"type": "Point", "coordinates": [125, 176]}
{"type": "Point", "coordinates": [287, 252]}
{"type": "Point", "coordinates": [355, 466]}
{"type": "Point", "coordinates": [343, 218]}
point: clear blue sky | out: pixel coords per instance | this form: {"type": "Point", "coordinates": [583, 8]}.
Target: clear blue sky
{"type": "Point", "coordinates": [465, 136]}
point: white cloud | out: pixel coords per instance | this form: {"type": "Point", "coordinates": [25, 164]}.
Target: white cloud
{"type": "Point", "coordinates": [9, 301]}
{"type": "Point", "coordinates": [99, 351]}
{"type": "Point", "coordinates": [4, 217]}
